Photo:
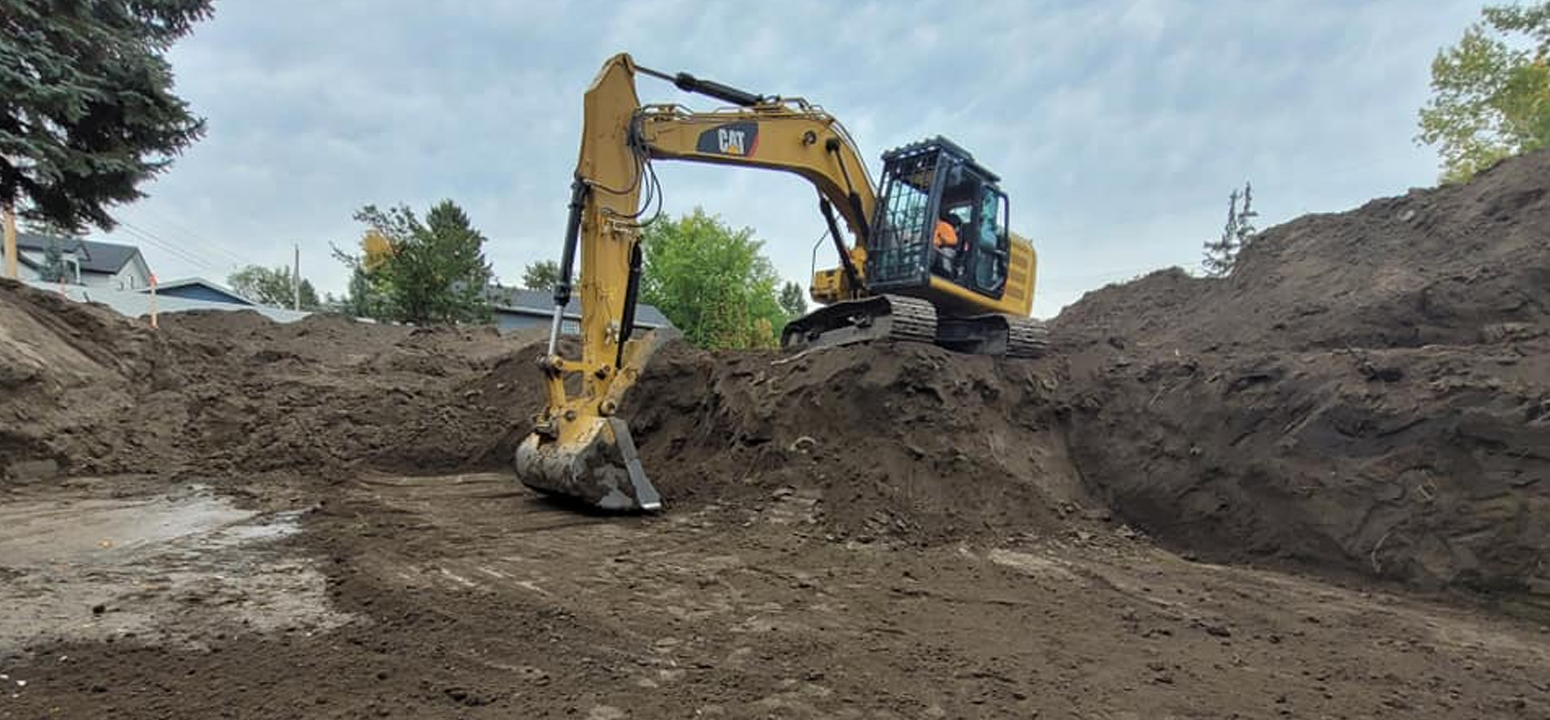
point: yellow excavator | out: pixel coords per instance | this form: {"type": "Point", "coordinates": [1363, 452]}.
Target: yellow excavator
{"type": "Point", "coordinates": [931, 259]}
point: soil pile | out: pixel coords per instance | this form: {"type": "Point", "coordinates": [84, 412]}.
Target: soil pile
{"type": "Point", "coordinates": [88, 391]}
{"type": "Point", "coordinates": [1459, 265]}
{"type": "Point", "coordinates": [1368, 390]}
{"type": "Point", "coordinates": [903, 441]}
{"type": "Point", "coordinates": [61, 365]}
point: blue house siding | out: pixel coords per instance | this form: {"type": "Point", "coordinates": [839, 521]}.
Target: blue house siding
{"type": "Point", "coordinates": [202, 292]}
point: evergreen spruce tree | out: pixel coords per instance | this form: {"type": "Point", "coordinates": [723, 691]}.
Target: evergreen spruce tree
{"type": "Point", "coordinates": [88, 113]}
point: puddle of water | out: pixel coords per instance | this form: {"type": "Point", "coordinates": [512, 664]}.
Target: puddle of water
{"type": "Point", "coordinates": [99, 531]}
{"type": "Point", "coordinates": [163, 569]}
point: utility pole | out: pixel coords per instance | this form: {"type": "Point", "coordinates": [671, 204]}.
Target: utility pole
{"type": "Point", "coordinates": [10, 241]}
{"type": "Point", "coordinates": [296, 279]}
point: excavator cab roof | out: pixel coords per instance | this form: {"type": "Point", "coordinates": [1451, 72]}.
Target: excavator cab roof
{"type": "Point", "coordinates": [931, 147]}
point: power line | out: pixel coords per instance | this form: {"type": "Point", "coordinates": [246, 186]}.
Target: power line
{"type": "Point", "coordinates": [183, 232]}
{"type": "Point", "coordinates": [182, 254]}
{"type": "Point", "coordinates": [153, 240]}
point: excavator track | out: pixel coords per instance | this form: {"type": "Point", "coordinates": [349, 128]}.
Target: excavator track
{"type": "Point", "coordinates": [882, 317]}
{"type": "Point", "coordinates": [1026, 338]}
{"type": "Point", "coordinates": [913, 319]}
{"type": "Point", "coordinates": [901, 318]}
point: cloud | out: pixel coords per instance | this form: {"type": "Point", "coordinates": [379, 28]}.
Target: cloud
{"type": "Point", "coordinates": [1118, 127]}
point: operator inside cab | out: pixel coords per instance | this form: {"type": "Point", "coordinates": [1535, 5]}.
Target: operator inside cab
{"type": "Point", "coordinates": [947, 241]}
{"type": "Point", "coordinates": [946, 231]}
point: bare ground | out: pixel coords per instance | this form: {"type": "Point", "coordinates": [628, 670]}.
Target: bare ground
{"type": "Point", "coordinates": [466, 596]}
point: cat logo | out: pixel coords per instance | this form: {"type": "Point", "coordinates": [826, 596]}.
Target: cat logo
{"type": "Point", "coordinates": [739, 139]}
{"type": "Point", "coordinates": [731, 141]}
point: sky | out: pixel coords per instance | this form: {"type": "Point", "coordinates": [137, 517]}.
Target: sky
{"type": "Point", "coordinates": [1118, 128]}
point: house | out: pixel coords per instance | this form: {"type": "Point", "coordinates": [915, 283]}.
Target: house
{"type": "Point", "coordinates": [87, 262]}
{"type": "Point", "coordinates": [521, 309]}
{"type": "Point", "coordinates": [197, 288]}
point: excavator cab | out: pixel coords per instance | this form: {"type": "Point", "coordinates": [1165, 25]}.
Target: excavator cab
{"type": "Point", "coordinates": [941, 265]}
{"type": "Point", "coordinates": [932, 183]}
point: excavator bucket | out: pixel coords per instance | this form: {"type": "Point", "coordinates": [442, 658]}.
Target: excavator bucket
{"type": "Point", "coordinates": [588, 456]}
{"type": "Point", "coordinates": [598, 466]}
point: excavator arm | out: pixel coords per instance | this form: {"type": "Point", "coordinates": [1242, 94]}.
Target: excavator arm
{"type": "Point", "coordinates": [580, 448]}
{"type": "Point", "coordinates": [791, 136]}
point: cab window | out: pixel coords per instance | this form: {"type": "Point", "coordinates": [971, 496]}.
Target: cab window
{"type": "Point", "coordinates": [991, 245]}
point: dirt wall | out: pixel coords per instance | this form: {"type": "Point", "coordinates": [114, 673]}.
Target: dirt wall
{"type": "Point", "coordinates": [1368, 390]}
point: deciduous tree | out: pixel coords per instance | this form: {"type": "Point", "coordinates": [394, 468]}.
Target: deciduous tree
{"type": "Point", "coordinates": [272, 286]}
{"type": "Point", "coordinates": [1491, 91]}
{"type": "Point", "coordinates": [541, 275]}
{"type": "Point", "coordinates": [419, 271]}
{"type": "Point", "coordinates": [712, 282]}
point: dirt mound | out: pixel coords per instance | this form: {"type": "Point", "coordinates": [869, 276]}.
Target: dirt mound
{"type": "Point", "coordinates": [60, 363]}
{"type": "Point", "coordinates": [1461, 264]}
{"type": "Point", "coordinates": [88, 391]}
{"type": "Point", "coordinates": [909, 443]}
{"type": "Point", "coordinates": [1369, 390]}
{"type": "Point", "coordinates": [900, 441]}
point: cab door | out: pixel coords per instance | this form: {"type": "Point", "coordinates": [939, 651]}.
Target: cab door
{"type": "Point", "coordinates": [973, 204]}
{"type": "Point", "coordinates": [990, 246]}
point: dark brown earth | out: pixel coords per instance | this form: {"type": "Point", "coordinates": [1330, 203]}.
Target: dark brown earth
{"type": "Point", "coordinates": [1317, 488]}
{"type": "Point", "coordinates": [235, 390]}
{"type": "Point", "coordinates": [1368, 391]}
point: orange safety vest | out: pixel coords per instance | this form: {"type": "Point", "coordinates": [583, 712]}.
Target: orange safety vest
{"type": "Point", "coordinates": [946, 236]}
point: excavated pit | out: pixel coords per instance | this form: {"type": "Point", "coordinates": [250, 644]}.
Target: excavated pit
{"type": "Point", "coordinates": [1369, 392]}
{"type": "Point", "coordinates": [1367, 396]}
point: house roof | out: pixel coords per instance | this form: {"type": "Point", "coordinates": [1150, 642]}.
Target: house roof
{"type": "Point", "coordinates": [135, 304]}
{"type": "Point", "coordinates": [94, 256]}
{"type": "Point", "coordinates": [236, 297]}
{"type": "Point", "coordinates": [541, 302]}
